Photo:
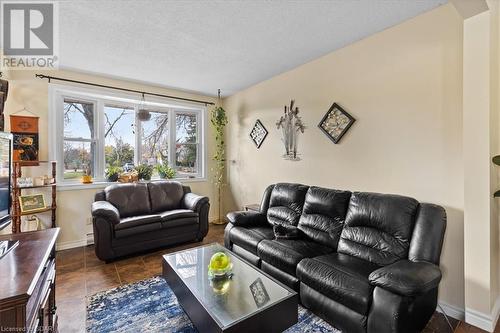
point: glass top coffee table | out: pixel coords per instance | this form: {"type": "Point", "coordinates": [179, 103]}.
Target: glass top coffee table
{"type": "Point", "coordinates": [248, 301]}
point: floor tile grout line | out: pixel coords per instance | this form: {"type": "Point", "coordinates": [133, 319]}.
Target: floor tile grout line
{"type": "Point", "coordinates": [118, 274]}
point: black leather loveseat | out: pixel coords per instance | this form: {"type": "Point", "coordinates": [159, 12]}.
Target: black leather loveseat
{"type": "Point", "coordinates": [135, 217]}
{"type": "Point", "coordinates": [365, 262]}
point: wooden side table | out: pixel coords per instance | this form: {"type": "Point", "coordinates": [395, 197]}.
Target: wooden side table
{"type": "Point", "coordinates": [252, 207]}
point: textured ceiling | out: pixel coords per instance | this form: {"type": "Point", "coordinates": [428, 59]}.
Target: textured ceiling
{"type": "Point", "coordinates": [204, 45]}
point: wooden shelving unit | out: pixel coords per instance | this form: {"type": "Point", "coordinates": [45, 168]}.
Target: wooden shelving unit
{"type": "Point", "coordinates": [17, 191]}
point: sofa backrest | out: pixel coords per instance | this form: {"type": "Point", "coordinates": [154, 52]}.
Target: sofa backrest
{"type": "Point", "coordinates": [323, 215]}
{"type": "Point", "coordinates": [378, 227]}
{"type": "Point", "coordinates": [131, 199]}
{"type": "Point", "coordinates": [165, 195]}
{"type": "Point", "coordinates": [285, 204]}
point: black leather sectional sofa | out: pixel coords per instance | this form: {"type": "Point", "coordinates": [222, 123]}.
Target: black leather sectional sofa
{"type": "Point", "coordinates": [135, 217]}
{"type": "Point", "coordinates": [365, 262]}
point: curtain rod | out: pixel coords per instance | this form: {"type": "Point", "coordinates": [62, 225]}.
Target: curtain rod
{"type": "Point", "coordinates": [41, 76]}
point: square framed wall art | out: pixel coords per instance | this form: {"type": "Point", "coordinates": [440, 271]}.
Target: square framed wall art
{"type": "Point", "coordinates": [258, 133]}
{"type": "Point", "coordinates": [336, 123]}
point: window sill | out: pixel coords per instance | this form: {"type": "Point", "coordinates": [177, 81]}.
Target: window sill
{"type": "Point", "coordinates": [102, 184]}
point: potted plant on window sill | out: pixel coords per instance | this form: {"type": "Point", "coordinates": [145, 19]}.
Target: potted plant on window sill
{"type": "Point", "coordinates": [144, 171]}
{"type": "Point", "coordinates": [165, 171]}
{"type": "Point", "coordinates": [113, 173]}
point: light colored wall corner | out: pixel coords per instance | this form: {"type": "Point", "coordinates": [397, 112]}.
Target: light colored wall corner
{"type": "Point", "coordinates": [485, 321]}
{"type": "Point", "coordinates": [468, 8]}
{"type": "Point", "coordinates": [481, 142]}
{"type": "Point", "coordinates": [404, 87]}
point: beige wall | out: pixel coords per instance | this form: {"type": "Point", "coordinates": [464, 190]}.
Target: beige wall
{"type": "Point", "coordinates": [404, 87]}
{"type": "Point", "coordinates": [74, 206]}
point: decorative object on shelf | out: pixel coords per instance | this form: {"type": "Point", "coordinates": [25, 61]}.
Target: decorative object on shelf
{"type": "Point", "coordinates": [113, 173]}
{"type": "Point", "coordinates": [259, 293]}
{"type": "Point", "coordinates": [25, 132]}
{"type": "Point", "coordinates": [48, 180]}
{"type": "Point", "coordinates": [4, 90]}
{"type": "Point", "coordinates": [129, 177]}
{"type": "Point", "coordinates": [25, 182]}
{"type": "Point", "coordinates": [165, 171]}
{"type": "Point", "coordinates": [32, 203]}
{"type": "Point", "coordinates": [38, 181]}
{"type": "Point", "coordinates": [291, 125]}
{"type": "Point", "coordinates": [336, 123]}
{"type": "Point", "coordinates": [218, 119]}
{"type": "Point", "coordinates": [144, 171]}
{"type": "Point", "coordinates": [49, 183]}
{"type": "Point", "coordinates": [258, 133]}
{"type": "Point", "coordinates": [33, 223]}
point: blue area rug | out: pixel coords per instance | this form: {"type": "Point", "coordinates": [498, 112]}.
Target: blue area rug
{"type": "Point", "coordinates": [151, 306]}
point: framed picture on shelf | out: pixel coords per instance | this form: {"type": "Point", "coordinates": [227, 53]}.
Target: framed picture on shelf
{"type": "Point", "coordinates": [32, 203]}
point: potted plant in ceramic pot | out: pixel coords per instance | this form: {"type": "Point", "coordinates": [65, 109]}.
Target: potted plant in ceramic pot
{"type": "Point", "coordinates": [113, 173]}
{"type": "Point", "coordinates": [165, 171]}
{"type": "Point", "coordinates": [144, 171]}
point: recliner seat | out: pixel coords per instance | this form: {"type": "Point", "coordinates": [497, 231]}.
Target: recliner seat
{"type": "Point", "coordinates": [366, 262]}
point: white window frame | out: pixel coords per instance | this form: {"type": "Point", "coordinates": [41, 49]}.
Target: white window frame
{"type": "Point", "coordinates": [102, 97]}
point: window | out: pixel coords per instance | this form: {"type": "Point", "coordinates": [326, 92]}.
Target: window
{"type": "Point", "coordinates": [119, 136]}
{"type": "Point", "coordinates": [186, 144]}
{"type": "Point", "coordinates": [155, 136]}
{"type": "Point", "coordinates": [78, 139]}
{"type": "Point", "coordinates": [91, 132]}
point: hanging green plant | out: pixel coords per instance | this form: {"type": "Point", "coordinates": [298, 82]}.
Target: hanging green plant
{"type": "Point", "coordinates": [218, 119]}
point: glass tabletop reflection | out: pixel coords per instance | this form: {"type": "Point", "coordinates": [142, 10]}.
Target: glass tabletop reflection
{"type": "Point", "coordinates": [228, 300]}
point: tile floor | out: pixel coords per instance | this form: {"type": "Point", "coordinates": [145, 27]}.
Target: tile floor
{"type": "Point", "coordinates": [81, 274]}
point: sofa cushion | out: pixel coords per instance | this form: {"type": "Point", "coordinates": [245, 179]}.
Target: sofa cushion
{"type": "Point", "coordinates": [378, 227]}
{"type": "Point", "coordinates": [341, 277]}
{"type": "Point", "coordinates": [323, 215]}
{"type": "Point", "coordinates": [177, 214]}
{"type": "Point", "coordinates": [285, 205]}
{"type": "Point", "coordinates": [179, 222]}
{"type": "Point", "coordinates": [134, 221]}
{"type": "Point", "coordinates": [249, 238]}
{"type": "Point", "coordinates": [165, 195]}
{"type": "Point", "coordinates": [285, 254]}
{"type": "Point", "coordinates": [137, 230]}
{"type": "Point", "coordinates": [130, 199]}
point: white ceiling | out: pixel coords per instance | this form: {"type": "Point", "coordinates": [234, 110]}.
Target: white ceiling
{"type": "Point", "coordinates": [204, 45]}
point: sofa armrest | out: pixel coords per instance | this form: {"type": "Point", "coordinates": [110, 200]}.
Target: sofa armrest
{"type": "Point", "coordinates": [193, 201]}
{"type": "Point", "coordinates": [407, 278]}
{"type": "Point", "coordinates": [105, 210]}
{"type": "Point", "coordinates": [246, 218]}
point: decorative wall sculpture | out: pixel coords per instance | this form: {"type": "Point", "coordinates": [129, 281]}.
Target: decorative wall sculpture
{"type": "Point", "coordinates": [258, 133]}
{"type": "Point", "coordinates": [336, 123]}
{"type": "Point", "coordinates": [291, 125]}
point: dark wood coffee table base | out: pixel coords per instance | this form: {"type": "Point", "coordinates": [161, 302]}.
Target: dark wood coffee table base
{"type": "Point", "coordinates": [275, 318]}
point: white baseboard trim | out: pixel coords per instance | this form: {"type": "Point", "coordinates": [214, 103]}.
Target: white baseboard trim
{"type": "Point", "coordinates": [71, 244]}
{"type": "Point", "coordinates": [451, 310]}
{"type": "Point", "coordinates": [484, 321]}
